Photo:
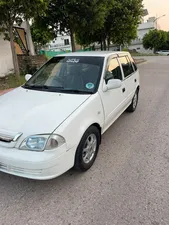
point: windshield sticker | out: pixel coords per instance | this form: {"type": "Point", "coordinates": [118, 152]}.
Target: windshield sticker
{"type": "Point", "coordinates": [90, 86]}
{"type": "Point", "coordinates": [73, 60]}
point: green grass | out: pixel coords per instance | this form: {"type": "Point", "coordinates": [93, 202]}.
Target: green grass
{"type": "Point", "coordinates": [10, 81]}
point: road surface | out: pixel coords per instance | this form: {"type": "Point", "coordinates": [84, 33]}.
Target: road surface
{"type": "Point", "coordinates": [129, 182]}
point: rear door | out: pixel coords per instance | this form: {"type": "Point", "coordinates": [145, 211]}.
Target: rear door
{"type": "Point", "coordinates": [130, 77]}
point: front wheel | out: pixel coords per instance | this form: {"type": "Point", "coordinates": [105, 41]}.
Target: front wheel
{"type": "Point", "coordinates": [134, 103]}
{"type": "Point", "coordinates": [87, 150]}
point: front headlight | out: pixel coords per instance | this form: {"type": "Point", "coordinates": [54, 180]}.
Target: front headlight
{"type": "Point", "coordinates": [42, 142]}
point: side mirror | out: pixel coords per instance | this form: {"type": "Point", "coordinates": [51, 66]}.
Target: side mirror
{"type": "Point", "coordinates": [28, 77]}
{"type": "Point", "coordinates": [112, 84]}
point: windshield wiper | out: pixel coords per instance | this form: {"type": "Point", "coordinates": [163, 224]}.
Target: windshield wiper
{"type": "Point", "coordinates": [77, 91]}
{"type": "Point", "coordinates": [59, 88]}
{"type": "Point", "coordinates": [46, 87]}
{"type": "Point", "coordinates": [35, 86]}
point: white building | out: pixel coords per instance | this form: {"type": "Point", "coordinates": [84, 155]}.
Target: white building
{"type": "Point", "coordinates": [60, 44]}
{"type": "Point", "coordinates": [6, 63]}
{"type": "Point", "coordinates": [143, 29]}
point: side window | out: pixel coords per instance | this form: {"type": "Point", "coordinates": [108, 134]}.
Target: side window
{"type": "Point", "coordinates": [113, 70]}
{"type": "Point", "coordinates": [133, 63]}
{"type": "Point", "coordinates": [127, 66]}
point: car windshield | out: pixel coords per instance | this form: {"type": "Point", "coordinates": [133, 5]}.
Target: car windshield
{"type": "Point", "coordinates": [75, 74]}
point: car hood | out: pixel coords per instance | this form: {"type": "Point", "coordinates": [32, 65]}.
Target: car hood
{"type": "Point", "coordinates": [36, 112]}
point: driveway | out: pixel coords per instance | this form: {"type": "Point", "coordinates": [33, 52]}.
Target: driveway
{"type": "Point", "coordinates": [129, 183]}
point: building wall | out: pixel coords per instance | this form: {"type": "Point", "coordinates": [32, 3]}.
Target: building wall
{"type": "Point", "coordinates": [140, 49]}
{"type": "Point", "coordinates": [6, 63]}
{"type": "Point", "coordinates": [143, 29]}
{"type": "Point", "coordinates": [30, 44]}
{"type": "Point", "coordinates": [61, 43]}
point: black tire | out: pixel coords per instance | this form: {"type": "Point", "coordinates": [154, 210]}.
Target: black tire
{"type": "Point", "coordinates": [133, 105]}
{"type": "Point", "coordinates": [80, 164]}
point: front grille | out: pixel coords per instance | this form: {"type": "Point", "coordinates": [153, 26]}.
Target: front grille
{"type": "Point", "coordinates": [6, 139]}
{"type": "Point", "coordinates": [2, 166]}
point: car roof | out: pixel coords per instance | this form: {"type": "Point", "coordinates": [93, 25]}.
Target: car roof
{"type": "Point", "coordinates": [94, 53]}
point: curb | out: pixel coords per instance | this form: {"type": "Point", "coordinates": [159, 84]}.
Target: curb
{"type": "Point", "coordinates": [139, 61]}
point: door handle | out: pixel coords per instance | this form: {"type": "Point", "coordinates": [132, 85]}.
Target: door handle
{"type": "Point", "coordinates": [123, 90]}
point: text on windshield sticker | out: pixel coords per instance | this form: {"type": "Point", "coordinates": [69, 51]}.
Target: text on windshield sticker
{"type": "Point", "coordinates": [73, 60]}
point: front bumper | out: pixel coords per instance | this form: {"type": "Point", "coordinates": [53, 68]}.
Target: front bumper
{"type": "Point", "coordinates": [36, 165]}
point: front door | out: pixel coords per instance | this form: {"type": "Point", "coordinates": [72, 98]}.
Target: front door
{"type": "Point", "coordinates": [113, 100]}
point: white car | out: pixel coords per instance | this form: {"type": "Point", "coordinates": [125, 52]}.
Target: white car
{"type": "Point", "coordinates": [163, 52]}
{"type": "Point", "coordinates": [55, 121]}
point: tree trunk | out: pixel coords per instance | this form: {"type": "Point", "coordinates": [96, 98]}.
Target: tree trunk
{"type": "Point", "coordinates": [72, 40]}
{"type": "Point", "coordinates": [101, 45]}
{"type": "Point", "coordinates": [14, 56]}
{"type": "Point", "coordinates": [108, 44]}
{"type": "Point", "coordinates": [104, 44]}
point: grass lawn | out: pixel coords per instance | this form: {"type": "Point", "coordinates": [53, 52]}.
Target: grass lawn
{"type": "Point", "coordinates": [11, 82]}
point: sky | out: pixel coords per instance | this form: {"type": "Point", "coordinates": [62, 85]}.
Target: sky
{"type": "Point", "coordinates": [158, 8]}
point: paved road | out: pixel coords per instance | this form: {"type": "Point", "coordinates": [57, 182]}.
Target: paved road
{"type": "Point", "coordinates": [129, 183]}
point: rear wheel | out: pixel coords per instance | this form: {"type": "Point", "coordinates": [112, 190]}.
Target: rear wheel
{"type": "Point", "coordinates": [134, 103]}
{"type": "Point", "coordinates": [87, 150]}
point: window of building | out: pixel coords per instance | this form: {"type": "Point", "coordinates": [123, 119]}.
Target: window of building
{"type": "Point", "coordinates": [66, 41]}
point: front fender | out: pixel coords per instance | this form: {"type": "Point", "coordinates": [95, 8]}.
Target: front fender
{"type": "Point", "coordinates": [90, 112]}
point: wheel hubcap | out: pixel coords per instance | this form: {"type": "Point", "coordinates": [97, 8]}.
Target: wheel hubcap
{"type": "Point", "coordinates": [89, 149]}
{"type": "Point", "coordinates": [135, 101]}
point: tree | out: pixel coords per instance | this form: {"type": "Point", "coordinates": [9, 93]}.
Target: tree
{"type": "Point", "coordinates": [41, 34]}
{"type": "Point", "coordinates": [126, 17]}
{"type": "Point", "coordinates": [120, 25]}
{"type": "Point", "coordinates": [165, 46]}
{"type": "Point", "coordinates": [70, 16]}
{"type": "Point", "coordinates": [14, 11]}
{"type": "Point", "coordinates": [155, 39]}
